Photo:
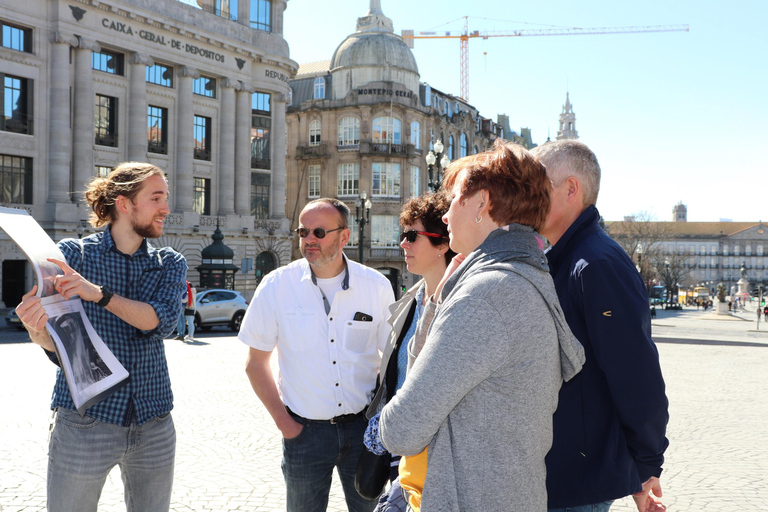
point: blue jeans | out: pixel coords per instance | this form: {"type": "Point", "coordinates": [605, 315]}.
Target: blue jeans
{"type": "Point", "coordinates": [309, 459]}
{"type": "Point", "coordinates": [83, 450]}
{"type": "Point", "coordinates": [182, 323]}
{"type": "Point", "coordinates": [597, 507]}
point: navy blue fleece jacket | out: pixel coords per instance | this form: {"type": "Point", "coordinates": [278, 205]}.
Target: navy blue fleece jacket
{"type": "Point", "coordinates": [611, 420]}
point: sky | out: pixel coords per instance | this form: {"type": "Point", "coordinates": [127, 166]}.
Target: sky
{"type": "Point", "coordinates": [672, 117]}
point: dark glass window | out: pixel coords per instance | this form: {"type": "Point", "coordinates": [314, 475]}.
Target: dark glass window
{"type": "Point", "coordinates": [105, 120]}
{"type": "Point", "coordinates": [261, 124]}
{"type": "Point", "coordinates": [108, 62]}
{"type": "Point", "coordinates": [17, 104]}
{"type": "Point", "coordinates": [160, 74]}
{"type": "Point", "coordinates": [17, 38]}
{"type": "Point", "coordinates": [157, 133]}
{"type": "Point", "coordinates": [15, 179]}
{"type": "Point", "coordinates": [261, 15]}
{"type": "Point", "coordinates": [202, 196]}
{"type": "Point", "coordinates": [204, 86]}
{"type": "Point", "coordinates": [202, 138]}
{"type": "Point", "coordinates": [260, 195]}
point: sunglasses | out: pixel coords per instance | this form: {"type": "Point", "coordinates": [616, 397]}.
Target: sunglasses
{"type": "Point", "coordinates": [318, 232]}
{"type": "Point", "coordinates": [411, 235]}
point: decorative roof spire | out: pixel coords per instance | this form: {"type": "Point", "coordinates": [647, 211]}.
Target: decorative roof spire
{"type": "Point", "coordinates": [374, 20]}
{"type": "Point", "coordinates": [567, 108]}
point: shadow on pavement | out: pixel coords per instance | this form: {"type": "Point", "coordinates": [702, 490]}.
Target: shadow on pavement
{"type": "Point", "coordinates": [721, 343]}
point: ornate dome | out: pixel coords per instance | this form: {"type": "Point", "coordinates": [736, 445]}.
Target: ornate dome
{"type": "Point", "coordinates": [373, 54]}
{"type": "Point", "coordinates": [374, 49]}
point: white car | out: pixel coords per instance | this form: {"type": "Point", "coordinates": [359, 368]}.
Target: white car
{"type": "Point", "coordinates": [219, 307]}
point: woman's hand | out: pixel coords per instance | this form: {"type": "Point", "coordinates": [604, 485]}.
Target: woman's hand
{"type": "Point", "coordinates": [455, 262]}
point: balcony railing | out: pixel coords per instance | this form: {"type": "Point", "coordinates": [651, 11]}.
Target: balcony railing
{"type": "Point", "coordinates": [319, 151]}
{"type": "Point", "coordinates": [154, 146]}
{"type": "Point", "coordinates": [386, 253]}
{"type": "Point", "coordinates": [376, 148]}
{"type": "Point", "coordinates": [260, 163]}
{"type": "Point", "coordinates": [202, 154]}
{"type": "Point", "coordinates": [106, 139]}
{"type": "Point", "coordinates": [19, 123]}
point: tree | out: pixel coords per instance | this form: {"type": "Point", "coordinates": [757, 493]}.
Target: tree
{"type": "Point", "coordinates": [641, 237]}
{"type": "Point", "coordinates": [673, 270]}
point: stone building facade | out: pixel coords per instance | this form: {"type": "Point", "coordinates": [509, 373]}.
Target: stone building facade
{"type": "Point", "coordinates": [713, 251]}
{"type": "Point", "coordinates": [197, 89]}
{"type": "Point", "coordinates": [363, 122]}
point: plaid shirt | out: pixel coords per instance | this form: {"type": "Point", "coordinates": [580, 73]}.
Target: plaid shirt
{"type": "Point", "coordinates": [153, 276]}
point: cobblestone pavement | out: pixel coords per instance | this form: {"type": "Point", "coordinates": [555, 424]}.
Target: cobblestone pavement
{"type": "Point", "coordinates": [228, 451]}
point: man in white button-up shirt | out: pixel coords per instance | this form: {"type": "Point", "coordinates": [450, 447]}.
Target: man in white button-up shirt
{"type": "Point", "coordinates": [327, 316]}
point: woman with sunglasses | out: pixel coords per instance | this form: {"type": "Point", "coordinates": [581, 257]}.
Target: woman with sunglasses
{"type": "Point", "coordinates": [427, 254]}
{"type": "Point", "coordinates": [493, 346]}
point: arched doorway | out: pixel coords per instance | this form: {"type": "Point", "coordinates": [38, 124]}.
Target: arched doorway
{"type": "Point", "coordinates": [266, 262]}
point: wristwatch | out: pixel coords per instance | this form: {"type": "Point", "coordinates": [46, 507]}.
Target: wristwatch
{"type": "Point", "coordinates": [107, 294]}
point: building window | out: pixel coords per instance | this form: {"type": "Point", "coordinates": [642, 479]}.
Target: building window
{"type": "Point", "coordinates": [464, 146]}
{"type": "Point", "coordinates": [354, 231]}
{"type": "Point", "coordinates": [319, 88]}
{"type": "Point", "coordinates": [15, 180]}
{"type": "Point", "coordinates": [160, 74]}
{"type": "Point", "coordinates": [204, 86]}
{"type": "Point", "coordinates": [16, 38]}
{"type": "Point", "coordinates": [314, 181]}
{"type": "Point", "coordinates": [348, 179]}
{"type": "Point", "coordinates": [223, 8]}
{"type": "Point", "coordinates": [416, 134]}
{"type": "Point", "coordinates": [17, 100]}
{"type": "Point", "coordinates": [261, 123]}
{"type": "Point", "coordinates": [415, 180]}
{"type": "Point", "coordinates": [759, 249]}
{"type": "Point", "coordinates": [102, 170]}
{"type": "Point", "coordinates": [386, 179]}
{"type": "Point", "coordinates": [108, 62]}
{"type": "Point", "coordinates": [261, 15]}
{"type": "Point", "coordinates": [105, 121]}
{"type": "Point", "coordinates": [385, 231]}
{"type": "Point", "coordinates": [202, 130]}
{"type": "Point", "coordinates": [427, 95]}
{"type": "Point", "coordinates": [736, 250]}
{"type": "Point", "coordinates": [157, 133]}
{"type": "Point", "coordinates": [386, 130]}
{"type": "Point", "coordinates": [451, 154]}
{"type": "Point", "coordinates": [725, 250]}
{"type": "Point", "coordinates": [260, 195]}
{"type": "Point", "coordinates": [314, 133]}
{"type": "Point", "coordinates": [349, 131]}
{"type": "Point", "coordinates": [202, 196]}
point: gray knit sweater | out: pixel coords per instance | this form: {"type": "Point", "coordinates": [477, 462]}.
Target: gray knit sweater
{"type": "Point", "coordinates": [484, 387]}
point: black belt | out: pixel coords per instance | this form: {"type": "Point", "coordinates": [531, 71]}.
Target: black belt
{"type": "Point", "coordinates": [344, 418]}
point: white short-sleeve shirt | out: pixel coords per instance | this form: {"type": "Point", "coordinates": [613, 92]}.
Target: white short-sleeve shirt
{"type": "Point", "coordinates": [327, 363]}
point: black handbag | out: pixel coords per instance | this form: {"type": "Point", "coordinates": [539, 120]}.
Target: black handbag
{"type": "Point", "coordinates": [372, 474]}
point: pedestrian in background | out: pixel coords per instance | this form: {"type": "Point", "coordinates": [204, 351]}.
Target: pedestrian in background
{"type": "Point", "coordinates": [181, 324]}
{"type": "Point", "coordinates": [482, 389]}
{"type": "Point", "coordinates": [131, 428]}
{"type": "Point", "coordinates": [189, 311]}
{"type": "Point", "coordinates": [327, 317]}
{"type": "Point", "coordinates": [611, 420]}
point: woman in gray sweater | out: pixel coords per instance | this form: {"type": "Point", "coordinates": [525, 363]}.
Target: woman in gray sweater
{"type": "Point", "coordinates": [493, 346]}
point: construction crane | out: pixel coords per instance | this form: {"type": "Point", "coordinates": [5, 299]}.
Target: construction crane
{"type": "Point", "coordinates": [466, 35]}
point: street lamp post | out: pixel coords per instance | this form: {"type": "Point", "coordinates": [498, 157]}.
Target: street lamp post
{"type": "Point", "coordinates": [363, 214]}
{"type": "Point", "coordinates": [436, 162]}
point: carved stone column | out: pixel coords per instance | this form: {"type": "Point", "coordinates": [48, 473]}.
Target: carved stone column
{"type": "Point", "coordinates": [277, 158]}
{"type": "Point", "coordinates": [185, 140]}
{"type": "Point", "coordinates": [278, 8]}
{"type": "Point", "coordinates": [243, 150]}
{"type": "Point", "coordinates": [137, 107]}
{"type": "Point", "coordinates": [84, 101]}
{"type": "Point", "coordinates": [226, 182]}
{"type": "Point", "coordinates": [60, 143]}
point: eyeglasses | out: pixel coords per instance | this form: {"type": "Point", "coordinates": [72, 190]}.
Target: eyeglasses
{"type": "Point", "coordinates": [318, 232]}
{"type": "Point", "coordinates": [411, 235]}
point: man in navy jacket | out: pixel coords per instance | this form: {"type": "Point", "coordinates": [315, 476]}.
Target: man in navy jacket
{"type": "Point", "coordinates": [611, 420]}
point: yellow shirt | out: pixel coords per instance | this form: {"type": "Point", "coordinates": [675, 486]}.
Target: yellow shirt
{"type": "Point", "coordinates": [413, 473]}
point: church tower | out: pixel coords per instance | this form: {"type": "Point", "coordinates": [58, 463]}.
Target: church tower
{"type": "Point", "coordinates": [567, 122]}
{"type": "Point", "coordinates": [680, 213]}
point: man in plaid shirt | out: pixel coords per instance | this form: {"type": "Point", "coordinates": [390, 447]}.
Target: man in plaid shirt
{"type": "Point", "coordinates": [130, 293]}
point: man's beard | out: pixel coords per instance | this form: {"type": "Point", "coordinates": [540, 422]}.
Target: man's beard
{"type": "Point", "coordinates": [147, 230]}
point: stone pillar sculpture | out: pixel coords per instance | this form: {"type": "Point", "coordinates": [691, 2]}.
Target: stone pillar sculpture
{"type": "Point", "coordinates": [277, 158]}
{"type": "Point", "coordinates": [137, 107]}
{"type": "Point", "coordinates": [185, 140]}
{"type": "Point", "coordinates": [227, 147]}
{"type": "Point", "coordinates": [84, 100]}
{"type": "Point", "coordinates": [243, 150]}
